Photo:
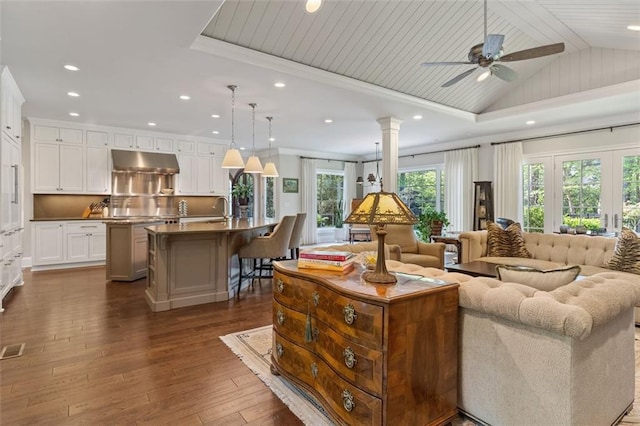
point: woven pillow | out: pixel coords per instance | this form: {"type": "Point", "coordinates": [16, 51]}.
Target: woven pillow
{"type": "Point", "coordinates": [505, 242]}
{"type": "Point", "coordinates": [626, 257]}
{"type": "Point", "coordinates": [545, 280]}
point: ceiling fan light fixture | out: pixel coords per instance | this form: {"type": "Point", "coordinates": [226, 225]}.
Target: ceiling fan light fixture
{"type": "Point", "coordinates": [312, 6]}
{"type": "Point", "coordinates": [484, 75]}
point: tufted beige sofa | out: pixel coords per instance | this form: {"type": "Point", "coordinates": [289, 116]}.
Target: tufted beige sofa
{"type": "Point", "coordinates": [530, 357]}
{"type": "Point", "coordinates": [548, 251]}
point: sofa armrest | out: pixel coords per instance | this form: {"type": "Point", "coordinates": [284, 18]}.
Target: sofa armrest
{"type": "Point", "coordinates": [473, 245]}
{"type": "Point", "coordinates": [433, 249]}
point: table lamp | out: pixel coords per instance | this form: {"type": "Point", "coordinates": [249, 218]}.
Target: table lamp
{"type": "Point", "coordinates": [379, 209]}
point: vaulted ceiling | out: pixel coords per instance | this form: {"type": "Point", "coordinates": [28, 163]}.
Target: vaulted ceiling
{"type": "Point", "coordinates": [352, 61]}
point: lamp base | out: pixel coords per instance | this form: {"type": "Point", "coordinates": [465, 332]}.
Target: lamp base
{"type": "Point", "coordinates": [379, 277]}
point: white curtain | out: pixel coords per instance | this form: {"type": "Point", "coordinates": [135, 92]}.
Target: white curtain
{"type": "Point", "coordinates": [507, 181]}
{"type": "Point", "coordinates": [460, 170]}
{"type": "Point", "coordinates": [308, 189]}
{"type": "Point", "coordinates": [349, 186]}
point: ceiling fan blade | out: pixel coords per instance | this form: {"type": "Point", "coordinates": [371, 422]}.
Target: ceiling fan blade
{"type": "Point", "coordinates": [535, 52]}
{"type": "Point", "coordinates": [503, 73]}
{"type": "Point", "coordinates": [492, 45]}
{"type": "Point", "coordinates": [428, 64]}
{"type": "Point", "coordinates": [457, 78]}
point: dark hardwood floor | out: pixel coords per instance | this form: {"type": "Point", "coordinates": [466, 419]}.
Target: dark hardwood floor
{"type": "Point", "coordinates": [95, 354]}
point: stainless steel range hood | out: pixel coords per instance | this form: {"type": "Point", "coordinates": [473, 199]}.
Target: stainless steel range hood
{"type": "Point", "coordinates": [148, 162]}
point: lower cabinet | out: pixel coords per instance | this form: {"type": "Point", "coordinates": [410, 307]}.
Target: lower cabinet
{"type": "Point", "coordinates": [11, 266]}
{"type": "Point", "coordinates": [68, 243]}
{"type": "Point", "coordinates": [127, 251]}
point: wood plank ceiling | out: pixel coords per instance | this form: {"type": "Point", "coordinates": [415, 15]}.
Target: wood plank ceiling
{"type": "Point", "coordinates": [384, 42]}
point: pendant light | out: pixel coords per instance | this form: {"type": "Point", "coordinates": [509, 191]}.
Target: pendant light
{"type": "Point", "coordinates": [270, 168]}
{"type": "Point", "coordinates": [253, 163]}
{"type": "Point", "coordinates": [232, 158]}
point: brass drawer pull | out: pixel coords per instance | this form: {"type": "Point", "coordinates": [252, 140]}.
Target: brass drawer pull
{"type": "Point", "coordinates": [347, 401]}
{"type": "Point", "coordinates": [314, 370]}
{"type": "Point", "coordinates": [316, 298]}
{"type": "Point", "coordinates": [349, 314]}
{"type": "Point", "coordinates": [349, 357]}
{"type": "Point", "coordinates": [280, 285]}
{"type": "Point", "coordinates": [280, 317]}
{"type": "Point", "coordinates": [279, 350]}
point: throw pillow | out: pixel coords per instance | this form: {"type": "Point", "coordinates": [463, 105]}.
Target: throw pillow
{"type": "Point", "coordinates": [505, 242]}
{"type": "Point", "coordinates": [545, 280]}
{"type": "Point", "coordinates": [626, 257]}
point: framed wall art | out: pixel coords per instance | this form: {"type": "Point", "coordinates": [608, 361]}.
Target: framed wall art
{"type": "Point", "coordinates": [290, 185]}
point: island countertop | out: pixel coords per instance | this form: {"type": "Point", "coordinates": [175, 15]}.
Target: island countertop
{"type": "Point", "coordinates": [230, 225]}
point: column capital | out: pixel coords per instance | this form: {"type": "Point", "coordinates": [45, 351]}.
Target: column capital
{"type": "Point", "coordinates": [389, 123]}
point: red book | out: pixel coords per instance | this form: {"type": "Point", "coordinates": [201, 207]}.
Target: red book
{"type": "Point", "coordinates": [326, 255]}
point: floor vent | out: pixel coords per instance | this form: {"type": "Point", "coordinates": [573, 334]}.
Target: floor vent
{"type": "Point", "coordinates": [12, 351]}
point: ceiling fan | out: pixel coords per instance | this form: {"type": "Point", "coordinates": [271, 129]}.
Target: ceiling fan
{"type": "Point", "coordinates": [487, 54]}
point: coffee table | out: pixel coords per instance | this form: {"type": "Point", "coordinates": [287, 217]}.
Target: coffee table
{"type": "Point", "coordinates": [475, 269]}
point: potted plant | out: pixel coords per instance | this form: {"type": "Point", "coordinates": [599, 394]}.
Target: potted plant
{"type": "Point", "coordinates": [431, 222]}
{"type": "Point", "coordinates": [242, 193]}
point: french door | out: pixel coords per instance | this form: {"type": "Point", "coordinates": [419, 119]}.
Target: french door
{"type": "Point", "coordinates": [598, 190]}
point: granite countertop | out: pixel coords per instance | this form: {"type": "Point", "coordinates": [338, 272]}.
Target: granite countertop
{"type": "Point", "coordinates": [230, 225]}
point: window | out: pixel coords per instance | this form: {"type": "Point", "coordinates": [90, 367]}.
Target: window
{"type": "Point", "coordinates": [329, 197]}
{"type": "Point", "coordinates": [269, 208]}
{"type": "Point", "coordinates": [631, 192]}
{"type": "Point", "coordinates": [533, 197]}
{"type": "Point", "coordinates": [421, 188]}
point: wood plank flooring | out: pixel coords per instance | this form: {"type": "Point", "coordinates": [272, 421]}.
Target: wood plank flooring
{"type": "Point", "coordinates": [96, 354]}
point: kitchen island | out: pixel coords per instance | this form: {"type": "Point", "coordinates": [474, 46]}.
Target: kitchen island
{"type": "Point", "coordinates": [192, 263]}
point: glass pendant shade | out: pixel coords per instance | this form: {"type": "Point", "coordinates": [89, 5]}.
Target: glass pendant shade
{"type": "Point", "coordinates": [232, 158]}
{"type": "Point", "coordinates": [253, 165]}
{"type": "Point", "coordinates": [270, 170]}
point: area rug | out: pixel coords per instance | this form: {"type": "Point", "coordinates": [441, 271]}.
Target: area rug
{"type": "Point", "coordinates": [253, 347]}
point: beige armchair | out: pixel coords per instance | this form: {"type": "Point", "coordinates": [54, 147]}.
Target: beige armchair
{"type": "Point", "coordinates": [413, 251]}
{"type": "Point", "coordinates": [296, 235]}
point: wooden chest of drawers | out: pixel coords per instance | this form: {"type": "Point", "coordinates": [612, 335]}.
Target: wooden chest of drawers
{"type": "Point", "coordinates": [372, 354]}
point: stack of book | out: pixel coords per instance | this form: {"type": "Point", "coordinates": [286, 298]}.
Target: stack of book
{"type": "Point", "coordinates": [329, 260]}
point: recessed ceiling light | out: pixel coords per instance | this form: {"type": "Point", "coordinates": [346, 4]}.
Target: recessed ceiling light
{"type": "Point", "coordinates": [328, 120]}
{"type": "Point", "coordinates": [185, 97]}
{"type": "Point", "coordinates": [312, 6]}
{"type": "Point", "coordinates": [71, 67]}
{"type": "Point", "coordinates": [633, 27]}
{"type": "Point", "coordinates": [242, 148]}
{"type": "Point", "coordinates": [279, 84]}
{"type": "Point", "coordinates": [417, 117]}
{"type": "Point", "coordinates": [73, 94]}
{"type": "Point", "coordinates": [484, 75]}
{"type": "Point", "coordinates": [74, 114]}
{"type": "Point", "coordinates": [215, 132]}
{"type": "Point", "coordinates": [215, 115]}
{"type": "Point", "coordinates": [272, 139]}
{"type": "Point", "coordinates": [151, 123]}
{"type": "Point", "coordinates": [531, 122]}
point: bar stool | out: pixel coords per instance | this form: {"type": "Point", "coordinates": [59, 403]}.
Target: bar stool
{"type": "Point", "coordinates": [272, 246]}
{"type": "Point", "coordinates": [296, 235]}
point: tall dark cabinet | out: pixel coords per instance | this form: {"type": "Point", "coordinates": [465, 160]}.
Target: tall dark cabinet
{"type": "Point", "coordinates": [482, 205]}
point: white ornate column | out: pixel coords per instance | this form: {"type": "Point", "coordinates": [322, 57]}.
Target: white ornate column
{"type": "Point", "coordinates": [390, 127]}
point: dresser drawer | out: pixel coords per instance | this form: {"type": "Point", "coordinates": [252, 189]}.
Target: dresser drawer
{"type": "Point", "coordinates": [359, 321]}
{"type": "Point", "coordinates": [340, 397]}
{"type": "Point", "coordinates": [357, 364]}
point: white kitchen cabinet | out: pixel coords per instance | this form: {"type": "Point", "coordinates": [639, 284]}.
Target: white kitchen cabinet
{"type": "Point", "coordinates": [97, 139]}
{"type": "Point", "coordinates": [186, 147]}
{"type": "Point", "coordinates": [210, 176]}
{"type": "Point", "coordinates": [85, 241]}
{"type": "Point", "coordinates": [219, 177]}
{"type": "Point", "coordinates": [185, 179]}
{"type": "Point", "coordinates": [121, 140]}
{"type": "Point", "coordinates": [43, 133]}
{"type": "Point", "coordinates": [58, 168]}
{"type": "Point", "coordinates": [48, 243]}
{"type": "Point", "coordinates": [97, 172]}
{"type": "Point", "coordinates": [144, 143]}
{"type": "Point", "coordinates": [164, 144]}
{"type": "Point", "coordinates": [11, 105]}
{"type": "Point", "coordinates": [206, 148]}
{"type": "Point", "coordinates": [10, 183]}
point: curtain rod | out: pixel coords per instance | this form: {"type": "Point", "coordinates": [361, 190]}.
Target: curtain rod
{"type": "Point", "coordinates": [427, 153]}
{"type": "Point", "coordinates": [329, 159]}
{"type": "Point", "coordinates": [577, 132]}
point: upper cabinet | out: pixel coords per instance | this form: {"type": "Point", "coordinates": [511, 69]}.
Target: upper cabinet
{"type": "Point", "coordinates": [98, 139]}
{"type": "Point", "coordinates": [57, 134]}
{"type": "Point", "coordinates": [143, 142]}
{"type": "Point", "coordinates": [11, 107]}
